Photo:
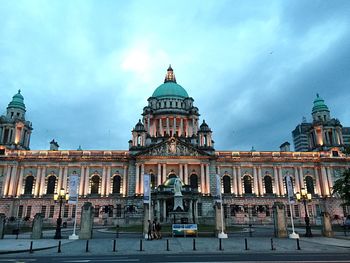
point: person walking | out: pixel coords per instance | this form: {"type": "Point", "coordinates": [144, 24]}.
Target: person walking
{"type": "Point", "coordinates": [149, 234]}
{"type": "Point", "coordinates": [158, 229]}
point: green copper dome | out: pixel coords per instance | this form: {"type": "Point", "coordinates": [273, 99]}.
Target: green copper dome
{"type": "Point", "coordinates": [319, 105]}
{"type": "Point", "coordinates": [170, 89]}
{"type": "Point", "coordinates": [17, 101]}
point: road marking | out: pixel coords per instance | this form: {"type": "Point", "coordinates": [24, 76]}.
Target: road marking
{"type": "Point", "coordinates": [102, 260]}
{"type": "Point", "coordinates": [16, 260]}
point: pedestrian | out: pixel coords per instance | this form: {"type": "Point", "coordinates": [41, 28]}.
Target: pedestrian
{"type": "Point", "coordinates": [158, 229]}
{"type": "Point", "coordinates": [154, 233]}
{"type": "Point", "coordinates": [149, 234]}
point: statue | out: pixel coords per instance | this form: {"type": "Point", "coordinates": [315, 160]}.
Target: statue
{"type": "Point", "coordinates": [177, 187]}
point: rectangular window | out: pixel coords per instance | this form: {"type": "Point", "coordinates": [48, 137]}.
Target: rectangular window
{"type": "Point", "coordinates": [66, 211]}
{"type": "Point", "coordinates": [199, 209]}
{"type": "Point", "coordinates": [110, 211]}
{"type": "Point", "coordinates": [288, 210]}
{"type": "Point", "coordinates": [267, 210]}
{"type": "Point", "coordinates": [43, 211]}
{"type": "Point", "coordinates": [224, 206]}
{"type": "Point", "coordinates": [119, 210]}
{"type": "Point", "coordinates": [310, 211]}
{"type": "Point", "coordinates": [97, 211]}
{"type": "Point", "coordinates": [20, 211]}
{"type": "Point", "coordinates": [29, 211]}
{"type": "Point", "coordinates": [52, 211]}
{"type": "Point", "coordinates": [254, 210]}
{"type": "Point", "coordinates": [296, 211]}
{"type": "Point", "coordinates": [318, 210]}
{"type": "Point", "coordinates": [232, 210]}
{"type": "Point", "coordinates": [73, 211]}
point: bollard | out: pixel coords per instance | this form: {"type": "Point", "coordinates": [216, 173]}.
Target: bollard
{"type": "Point", "coordinates": [298, 245]}
{"type": "Point", "coordinates": [167, 245]}
{"type": "Point", "coordinates": [31, 247]}
{"type": "Point", "coordinates": [272, 248]}
{"type": "Point", "coordinates": [114, 245]}
{"type": "Point", "coordinates": [59, 247]}
{"type": "Point", "coordinates": [194, 244]}
{"type": "Point", "coordinates": [87, 246]}
{"type": "Point", "coordinates": [246, 244]}
{"type": "Point", "coordinates": [140, 244]}
{"type": "Point", "coordinates": [220, 245]}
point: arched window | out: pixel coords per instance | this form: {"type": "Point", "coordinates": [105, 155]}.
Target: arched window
{"type": "Point", "coordinates": [138, 140]}
{"type": "Point", "coordinates": [310, 184]}
{"type": "Point", "coordinates": [28, 185]}
{"type": "Point", "coordinates": [268, 184]}
{"type": "Point", "coordinates": [247, 182]}
{"type": "Point", "coordinates": [227, 184]}
{"type": "Point", "coordinates": [51, 185]}
{"type": "Point", "coordinates": [194, 182]}
{"type": "Point", "coordinates": [153, 180]}
{"type": "Point", "coordinates": [116, 184]}
{"type": "Point", "coordinates": [95, 184]}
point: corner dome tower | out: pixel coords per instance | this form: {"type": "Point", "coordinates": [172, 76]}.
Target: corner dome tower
{"type": "Point", "coordinates": [320, 111]}
{"type": "Point", "coordinates": [170, 88]}
{"type": "Point", "coordinates": [17, 102]}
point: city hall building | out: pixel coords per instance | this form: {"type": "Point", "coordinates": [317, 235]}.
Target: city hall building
{"type": "Point", "coordinates": [171, 141]}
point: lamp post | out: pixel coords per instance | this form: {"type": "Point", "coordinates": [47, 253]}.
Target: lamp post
{"type": "Point", "coordinates": [60, 197]}
{"type": "Point", "coordinates": [305, 197]}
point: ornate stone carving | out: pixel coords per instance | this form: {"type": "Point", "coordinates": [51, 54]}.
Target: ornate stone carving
{"type": "Point", "coordinates": [172, 147]}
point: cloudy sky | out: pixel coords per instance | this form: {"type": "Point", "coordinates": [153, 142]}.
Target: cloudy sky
{"type": "Point", "coordinates": [86, 68]}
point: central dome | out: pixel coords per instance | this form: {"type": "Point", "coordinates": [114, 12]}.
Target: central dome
{"type": "Point", "coordinates": [170, 88]}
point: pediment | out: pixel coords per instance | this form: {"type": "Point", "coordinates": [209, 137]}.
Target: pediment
{"type": "Point", "coordinates": [173, 147]}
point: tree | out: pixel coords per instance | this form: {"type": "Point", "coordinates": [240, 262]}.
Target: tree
{"type": "Point", "coordinates": [342, 187]}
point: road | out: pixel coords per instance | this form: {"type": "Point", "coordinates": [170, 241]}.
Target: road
{"type": "Point", "coordinates": [212, 257]}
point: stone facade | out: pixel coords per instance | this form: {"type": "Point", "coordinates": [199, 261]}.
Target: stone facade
{"type": "Point", "coordinates": [168, 142]}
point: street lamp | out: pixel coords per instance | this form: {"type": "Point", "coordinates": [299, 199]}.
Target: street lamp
{"type": "Point", "coordinates": [305, 197]}
{"type": "Point", "coordinates": [60, 197]}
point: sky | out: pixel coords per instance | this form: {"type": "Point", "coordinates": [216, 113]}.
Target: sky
{"type": "Point", "coordinates": [86, 68]}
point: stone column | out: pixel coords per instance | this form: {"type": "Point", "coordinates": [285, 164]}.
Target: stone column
{"type": "Point", "coordinates": [239, 180]}
{"type": "Point", "coordinates": [137, 181]}
{"type": "Point", "coordinates": [12, 186]}
{"type": "Point", "coordinates": [103, 183]}
{"type": "Point", "coordinates": [87, 181]}
{"type": "Point", "coordinates": [59, 178]}
{"type": "Point", "coordinates": [65, 178]}
{"type": "Point", "coordinates": [181, 175]}
{"type": "Point", "coordinates": [261, 190]}
{"type": "Point", "coordinates": [275, 175]}
{"type": "Point", "coordinates": [327, 225]}
{"type": "Point", "coordinates": [37, 227]}
{"type": "Point", "coordinates": [159, 175]}
{"type": "Point", "coordinates": [86, 221]}
{"type": "Point", "coordinates": [202, 179]}
{"type": "Point", "coordinates": [279, 219]}
{"type": "Point", "coordinates": [317, 178]}
{"type": "Point", "coordinates": [164, 211]}
{"type": "Point", "coordinates": [196, 212]}
{"type": "Point", "coordinates": [42, 182]}
{"type": "Point", "coordinates": [167, 126]}
{"type": "Point", "coordinates": [280, 176]}
{"type": "Point", "coordinates": [329, 177]}
{"type": "Point", "coordinates": [158, 210]}
{"type": "Point", "coordinates": [301, 177]}
{"type": "Point", "coordinates": [108, 181]}
{"type": "Point", "coordinates": [81, 181]}
{"type": "Point", "coordinates": [7, 180]}
{"type": "Point", "coordinates": [142, 175]}
{"type": "Point", "coordinates": [2, 225]}
{"type": "Point", "coordinates": [124, 182]}
{"type": "Point", "coordinates": [255, 178]}
{"type": "Point", "coordinates": [181, 127]}
{"type": "Point", "coordinates": [186, 173]}
{"type": "Point", "coordinates": [234, 180]}
{"type": "Point", "coordinates": [164, 173]}
{"type": "Point", "coordinates": [160, 127]}
{"type": "Point", "coordinates": [174, 126]}
{"type": "Point", "coordinates": [207, 179]}
{"type": "Point", "coordinates": [324, 182]}
{"type": "Point", "coordinates": [296, 180]}
{"type": "Point", "coordinates": [20, 182]}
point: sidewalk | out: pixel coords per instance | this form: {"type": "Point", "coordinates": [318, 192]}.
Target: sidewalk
{"type": "Point", "coordinates": [176, 245]}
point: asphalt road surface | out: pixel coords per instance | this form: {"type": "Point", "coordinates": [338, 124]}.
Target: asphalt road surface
{"type": "Point", "coordinates": [212, 257]}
